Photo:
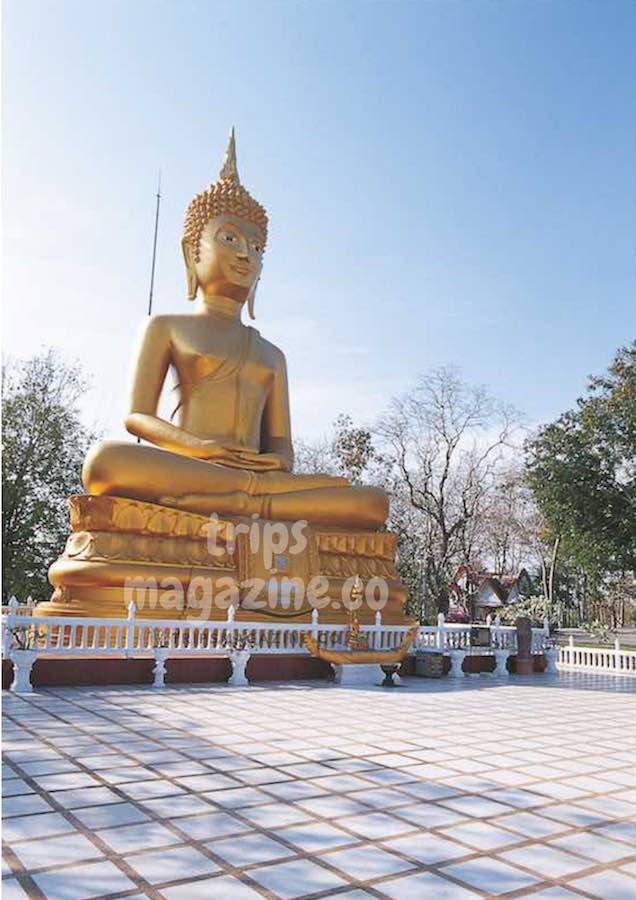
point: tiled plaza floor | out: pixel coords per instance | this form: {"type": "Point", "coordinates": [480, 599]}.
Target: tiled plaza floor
{"type": "Point", "coordinates": [436, 790]}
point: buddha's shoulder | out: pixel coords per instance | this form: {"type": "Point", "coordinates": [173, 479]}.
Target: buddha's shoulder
{"type": "Point", "coordinates": [268, 348]}
{"type": "Point", "coordinates": [168, 325]}
{"type": "Point", "coordinates": [169, 320]}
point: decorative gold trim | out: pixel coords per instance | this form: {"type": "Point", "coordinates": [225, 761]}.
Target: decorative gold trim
{"type": "Point", "coordinates": [358, 543]}
{"type": "Point", "coordinates": [106, 513]}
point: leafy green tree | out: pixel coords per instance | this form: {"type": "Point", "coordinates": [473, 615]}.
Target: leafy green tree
{"type": "Point", "coordinates": [582, 471]}
{"type": "Point", "coordinates": [44, 444]}
{"type": "Point", "coordinates": [348, 451]}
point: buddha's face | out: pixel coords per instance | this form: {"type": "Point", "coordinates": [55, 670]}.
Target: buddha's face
{"type": "Point", "coordinates": [230, 257]}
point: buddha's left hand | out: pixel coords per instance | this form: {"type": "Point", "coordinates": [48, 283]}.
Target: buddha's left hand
{"type": "Point", "coordinates": [264, 462]}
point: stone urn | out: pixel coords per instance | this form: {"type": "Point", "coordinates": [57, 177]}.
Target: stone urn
{"type": "Point", "coordinates": [501, 663]}
{"type": "Point", "coordinates": [551, 654]}
{"type": "Point", "coordinates": [159, 670]}
{"type": "Point", "coordinates": [239, 660]}
{"type": "Point", "coordinates": [22, 664]}
{"type": "Point", "coordinates": [457, 663]}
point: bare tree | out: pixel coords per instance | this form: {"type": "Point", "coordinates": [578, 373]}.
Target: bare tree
{"type": "Point", "coordinates": [311, 457]}
{"type": "Point", "coordinates": [447, 443]}
{"type": "Point", "coordinates": [511, 529]}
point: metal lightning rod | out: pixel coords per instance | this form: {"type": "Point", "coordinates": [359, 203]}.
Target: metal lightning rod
{"type": "Point", "coordinates": [154, 245]}
{"type": "Point", "coordinates": [154, 253]}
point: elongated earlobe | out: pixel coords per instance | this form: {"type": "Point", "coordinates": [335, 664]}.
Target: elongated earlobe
{"type": "Point", "coordinates": [250, 299]}
{"type": "Point", "coordinates": [190, 264]}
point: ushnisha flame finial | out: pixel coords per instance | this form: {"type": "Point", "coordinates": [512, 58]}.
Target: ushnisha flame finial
{"type": "Point", "coordinates": [229, 169]}
{"type": "Point", "coordinates": [227, 196]}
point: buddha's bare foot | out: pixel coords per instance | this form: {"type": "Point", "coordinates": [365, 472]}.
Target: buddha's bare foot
{"type": "Point", "coordinates": [233, 504]}
{"type": "Point", "coordinates": [284, 482]}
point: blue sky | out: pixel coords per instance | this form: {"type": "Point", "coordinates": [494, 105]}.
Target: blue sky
{"type": "Point", "coordinates": [447, 182]}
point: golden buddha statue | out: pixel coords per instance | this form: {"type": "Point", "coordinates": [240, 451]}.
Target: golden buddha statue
{"type": "Point", "coordinates": [228, 452]}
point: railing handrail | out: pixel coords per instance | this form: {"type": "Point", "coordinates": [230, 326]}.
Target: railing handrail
{"type": "Point", "coordinates": [100, 635]}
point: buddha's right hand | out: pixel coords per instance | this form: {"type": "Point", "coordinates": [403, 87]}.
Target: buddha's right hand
{"type": "Point", "coordinates": [213, 451]}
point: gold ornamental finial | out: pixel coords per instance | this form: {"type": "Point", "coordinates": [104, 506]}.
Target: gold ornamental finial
{"type": "Point", "coordinates": [229, 169]}
{"type": "Point", "coordinates": [226, 196]}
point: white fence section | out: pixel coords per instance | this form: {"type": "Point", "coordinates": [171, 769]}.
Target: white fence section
{"type": "Point", "coordinates": [25, 638]}
{"type": "Point", "coordinates": [446, 636]}
{"type": "Point", "coordinates": [75, 636]}
{"type": "Point", "coordinates": [19, 609]}
{"type": "Point", "coordinates": [613, 660]}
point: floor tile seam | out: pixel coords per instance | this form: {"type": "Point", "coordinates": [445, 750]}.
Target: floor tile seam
{"type": "Point", "coordinates": [549, 800]}
{"type": "Point", "coordinates": [440, 870]}
{"type": "Point", "coordinates": [87, 770]}
{"type": "Point", "coordinates": [120, 857]}
{"type": "Point", "coordinates": [314, 856]}
{"type": "Point", "coordinates": [547, 841]}
{"type": "Point", "coordinates": [23, 877]}
{"type": "Point", "coordinates": [173, 780]}
{"type": "Point", "coordinates": [440, 802]}
{"type": "Point", "coordinates": [322, 857]}
{"type": "Point", "coordinates": [569, 830]}
{"type": "Point", "coordinates": [523, 842]}
{"type": "Point", "coordinates": [336, 770]}
{"type": "Point", "coordinates": [241, 873]}
{"type": "Point", "coordinates": [495, 819]}
{"type": "Point", "coordinates": [136, 803]}
{"type": "Point", "coordinates": [470, 855]}
{"type": "Point", "coordinates": [75, 760]}
{"type": "Point", "coordinates": [595, 868]}
{"type": "Point", "coordinates": [563, 777]}
{"type": "Point", "coordinates": [109, 852]}
{"type": "Point", "coordinates": [418, 867]}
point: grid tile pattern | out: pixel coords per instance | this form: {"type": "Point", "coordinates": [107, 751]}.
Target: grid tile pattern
{"type": "Point", "coordinates": [482, 788]}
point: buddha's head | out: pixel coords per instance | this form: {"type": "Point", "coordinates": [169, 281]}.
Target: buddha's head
{"type": "Point", "coordinates": [224, 237]}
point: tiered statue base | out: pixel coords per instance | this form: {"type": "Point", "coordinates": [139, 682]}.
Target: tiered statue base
{"type": "Point", "coordinates": [178, 565]}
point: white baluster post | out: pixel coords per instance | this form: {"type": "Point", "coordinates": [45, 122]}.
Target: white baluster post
{"type": "Point", "coordinates": [441, 636]}
{"type": "Point", "coordinates": [314, 624]}
{"type": "Point", "coordinates": [130, 629]}
{"type": "Point", "coordinates": [10, 623]}
{"type": "Point", "coordinates": [617, 654]}
{"type": "Point", "coordinates": [377, 634]}
{"type": "Point", "coordinates": [494, 633]}
{"type": "Point", "coordinates": [231, 612]}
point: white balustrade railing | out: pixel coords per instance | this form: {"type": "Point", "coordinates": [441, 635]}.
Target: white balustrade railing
{"type": "Point", "coordinates": [613, 659]}
{"type": "Point", "coordinates": [19, 609]}
{"type": "Point", "coordinates": [447, 636]}
{"type": "Point", "coordinates": [132, 636]}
